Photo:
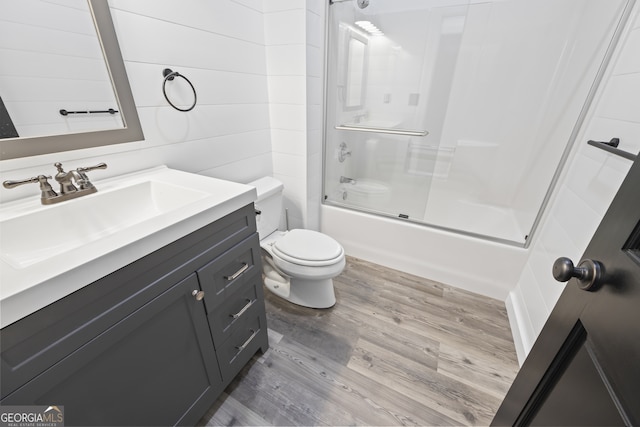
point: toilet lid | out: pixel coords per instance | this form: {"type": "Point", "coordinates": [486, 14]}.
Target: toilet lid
{"type": "Point", "coordinates": [308, 247]}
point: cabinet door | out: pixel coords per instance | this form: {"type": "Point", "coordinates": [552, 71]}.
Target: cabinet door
{"type": "Point", "coordinates": [157, 366]}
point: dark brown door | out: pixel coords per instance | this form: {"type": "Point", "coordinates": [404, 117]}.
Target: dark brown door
{"type": "Point", "coordinates": [584, 368]}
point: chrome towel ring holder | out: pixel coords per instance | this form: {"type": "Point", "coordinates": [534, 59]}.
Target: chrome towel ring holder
{"type": "Point", "coordinates": [170, 75]}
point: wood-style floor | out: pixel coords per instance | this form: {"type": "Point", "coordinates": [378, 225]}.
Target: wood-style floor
{"type": "Point", "coordinates": [396, 349]}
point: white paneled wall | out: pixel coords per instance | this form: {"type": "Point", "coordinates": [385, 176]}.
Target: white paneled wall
{"type": "Point", "coordinates": [220, 47]}
{"type": "Point", "coordinates": [295, 43]}
{"type": "Point", "coordinates": [586, 188]}
{"type": "Point", "coordinates": [315, 21]}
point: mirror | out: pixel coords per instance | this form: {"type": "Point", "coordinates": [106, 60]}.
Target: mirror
{"type": "Point", "coordinates": [356, 63]}
{"type": "Point", "coordinates": [109, 80]}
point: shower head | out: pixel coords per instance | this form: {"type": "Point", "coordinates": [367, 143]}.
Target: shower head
{"type": "Point", "coordinates": [363, 3]}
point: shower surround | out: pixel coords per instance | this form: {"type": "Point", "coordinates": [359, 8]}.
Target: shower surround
{"type": "Point", "coordinates": [457, 118]}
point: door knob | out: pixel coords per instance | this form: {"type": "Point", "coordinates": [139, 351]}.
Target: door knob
{"type": "Point", "coordinates": [198, 294]}
{"type": "Point", "coordinates": [589, 273]}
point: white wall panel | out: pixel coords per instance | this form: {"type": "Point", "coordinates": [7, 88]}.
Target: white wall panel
{"type": "Point", "coordinates": [160, 42]}
{"type": "Point", "coordinates": [247, 170]}
{"type": "Point", "coordinates": [579, 228]}
{"type": "Point", "coordinates": [289, 141]}
{"type": "Point", "coordinates": [290, 165]}
{"type": "Point", "coordinates": [284, 60]}
{"type": "Point", "coordinates": [215, 152]}
{"type": "Point", "coordinates": [314, 28]}
{"type": "Point", "coordinates": [225, 18]}
{"type": "Point", "coordinates": [252, 4]}
{"type": "Point", "coordinates": [167, 125]}
{"type": "Point", "coordinates": [616, 104]}
{"type": "Point", "coordinates": [288, 90]}
{"type": "Point", "coordinates": [533, 299]}
{"type": "Point", "coordinates": [287, 27]}
{"type": "Point", "coordinates": [281, 5]}
{"type": "Point", "coordinates": [630, 61]}
{"type": "Point", "coordinates": [288, 116]}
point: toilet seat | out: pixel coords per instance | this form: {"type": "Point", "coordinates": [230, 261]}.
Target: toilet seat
{"type": "Point", "coordinates": [308, 248]}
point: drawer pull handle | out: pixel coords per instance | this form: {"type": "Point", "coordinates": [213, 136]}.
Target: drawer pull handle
{"type": "Point", "coordinates": [246, 343]}
{"type": "Point", "coordinates": [245, 308]}
{"type": "Point", "coordinates": [238, 273]}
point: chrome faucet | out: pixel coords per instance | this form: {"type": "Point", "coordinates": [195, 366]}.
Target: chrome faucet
{"type": "Point", "coordinates": [344, 180]}
{"type": "Point", "coordinates": [66, 180]}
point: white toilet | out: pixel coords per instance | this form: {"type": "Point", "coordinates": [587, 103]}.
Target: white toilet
{"type": "Point", "coordinates": [299, 265]}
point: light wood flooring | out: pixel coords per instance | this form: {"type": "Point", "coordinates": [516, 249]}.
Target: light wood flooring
{"type": "Point", "coordinates": [396, 349]}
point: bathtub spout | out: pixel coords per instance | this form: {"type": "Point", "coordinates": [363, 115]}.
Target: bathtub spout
{"type": "Point", "coordinates": [344, 179]}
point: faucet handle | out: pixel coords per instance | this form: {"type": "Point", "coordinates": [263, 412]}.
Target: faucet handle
{"type": "Point", "coordinates": [90, 168]}
{"type": "Point", "coordinates": [14, 184]}
{"type": "Point", "coordinates": [45, 187]}
{"type": "Point", "coordinates": [83, 180]}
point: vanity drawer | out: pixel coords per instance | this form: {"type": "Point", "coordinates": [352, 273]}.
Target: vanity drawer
{"type": "Point", "coordinates": [225, 275]}
{"type": "Point", "coordinates": [246, 302]}
{"type": "Point", "coordinates": [247, 338]}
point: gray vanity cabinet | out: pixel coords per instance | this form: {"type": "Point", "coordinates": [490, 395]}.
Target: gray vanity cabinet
{"type": "Point", "coordinates": [143, 345]}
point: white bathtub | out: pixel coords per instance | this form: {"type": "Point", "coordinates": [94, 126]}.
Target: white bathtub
{"type": "Point", "coordinates": [477, 265]}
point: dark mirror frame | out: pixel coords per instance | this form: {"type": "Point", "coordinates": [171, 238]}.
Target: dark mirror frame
{"type": "Point", "coordinates": [132, 130]}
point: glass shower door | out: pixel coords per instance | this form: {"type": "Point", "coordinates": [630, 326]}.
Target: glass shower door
{"type": "Point", "coordinates": [390, 71]}
{"type": "Point", "coordinates": [457, 114]}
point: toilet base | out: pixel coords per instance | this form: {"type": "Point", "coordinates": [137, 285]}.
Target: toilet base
{"type": "Point", "coordinates": [307, 293]}
{"type": "Point", "coordinates": [312, 293]}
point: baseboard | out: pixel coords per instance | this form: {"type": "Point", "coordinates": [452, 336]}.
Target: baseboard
{"type": "Point", "coordinates": [521, 328]}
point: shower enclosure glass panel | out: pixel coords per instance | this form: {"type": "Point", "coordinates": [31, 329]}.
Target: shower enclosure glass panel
{"type": "Point", "coordinates": [456, 114]}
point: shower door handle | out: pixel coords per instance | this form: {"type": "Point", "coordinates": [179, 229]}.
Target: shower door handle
{"type": "Point", "coordinates": [383, 130]}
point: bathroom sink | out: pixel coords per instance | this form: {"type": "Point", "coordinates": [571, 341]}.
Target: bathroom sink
{"type": "Point", "coordinates": [61, 247]}
{"type": "Point", "coordinates": [35, 236]}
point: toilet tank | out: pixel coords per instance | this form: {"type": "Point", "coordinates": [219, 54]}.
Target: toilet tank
{"type": "Point", "coordinates": [269, 203]}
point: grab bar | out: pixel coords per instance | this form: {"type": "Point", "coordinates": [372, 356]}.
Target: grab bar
{"type": "Point", "coordinates": [384, 130]}
{"type": "Point", "coordinates": [611, 148]}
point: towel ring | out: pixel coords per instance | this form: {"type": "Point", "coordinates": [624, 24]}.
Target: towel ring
{"type": "Point", "coordinates": [170, 75]}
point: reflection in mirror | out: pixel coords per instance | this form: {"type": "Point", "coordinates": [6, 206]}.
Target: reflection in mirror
{"type": "Point", "coordinates": [48, 65]}
{"type": "Point", "coordinates": [70, 62]}
{"type": "Point", "coordinates": [355, 68]}
{"type": "Point", "coordinates": [355, 72]}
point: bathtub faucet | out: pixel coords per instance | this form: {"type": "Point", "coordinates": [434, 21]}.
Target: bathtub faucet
{"type": "Point", "coordinates": [344, 179]}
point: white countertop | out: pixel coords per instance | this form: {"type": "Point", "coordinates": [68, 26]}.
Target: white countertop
{"type": "Point", "coordinates": [29, 286]}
